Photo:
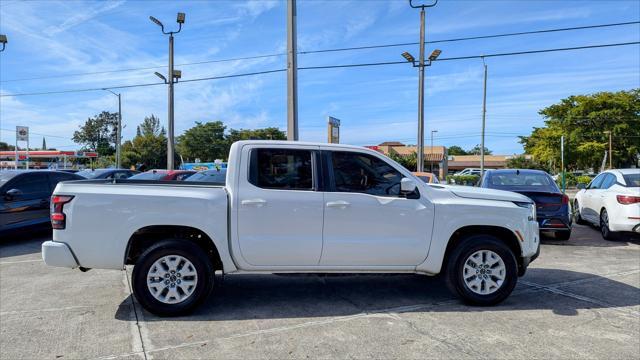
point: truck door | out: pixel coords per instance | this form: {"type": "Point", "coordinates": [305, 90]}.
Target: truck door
{"type": "Point", "coordinates": [366, 219]}
{"type": "Point", "coordinates": [279, 210]}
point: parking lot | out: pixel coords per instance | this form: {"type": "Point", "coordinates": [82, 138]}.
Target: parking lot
{"type": "Point", "coordinates": [581, 298]}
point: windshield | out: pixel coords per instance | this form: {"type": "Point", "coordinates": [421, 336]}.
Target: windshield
{"type": "Point", "coordinates": [213, 176]}
{"type": "Point", "coordinates": [5, 176]}
{"type": "Point", "coordinates": [632, 180]}
{"type": "Point", "coordinates": [522, 180]}
{"type": "Point", "coordinates": [149, 176]}
{"type": "Point", "coordinates": [91, 174]}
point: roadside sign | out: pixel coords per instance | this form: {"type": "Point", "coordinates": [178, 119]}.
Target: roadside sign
{"type": "Point", "coordinates": [22, 133]}
{"type": "Point", "coordinates": [334, 130]}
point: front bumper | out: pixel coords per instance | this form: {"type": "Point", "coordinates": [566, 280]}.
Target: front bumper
{"type": "Point", "coordinates": [58, 254]}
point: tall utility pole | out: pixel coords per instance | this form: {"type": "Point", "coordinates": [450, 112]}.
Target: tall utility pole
{"type": "Point", "coordinates": [118, 129]}
{"type": "Point", "coordinates": [431, 162]}
{"type": "Point", "coordinates": [421, 65]}
{"type": "Point", "coordinates": [562, 162]}
{"type": "Point", "coordinates": [484, 114]}
{"type": "Point", "coordinates": [292, 72]}
{"type": "Point", "coordinates": [171, 79]}
{"type": "Point", "coordinates": [610, 151]}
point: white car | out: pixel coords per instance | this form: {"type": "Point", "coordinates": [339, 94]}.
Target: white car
{"type": "Point", "coordinates": [611, 201]}
{"type": "Point", "coordinates": [293, 207]}
{"type": "Point", "coordinates": [469, 171]}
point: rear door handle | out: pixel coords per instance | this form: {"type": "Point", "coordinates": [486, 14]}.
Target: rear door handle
{"type": "Point", "coordinates": [341, 204]}
{"type": "Point", "coordinates": [254, 202]}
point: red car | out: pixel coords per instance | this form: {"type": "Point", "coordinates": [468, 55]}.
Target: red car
{"type": "Point", "coordinates": [161, 174]}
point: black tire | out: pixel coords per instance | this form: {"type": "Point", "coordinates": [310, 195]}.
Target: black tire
{"type": "Point", "coordinates": [454, 276]}
{"type": "Point", "coordinates": [576, 214]}
{"type": "Point", "coordinates": [607, 234]}
{"type": "Point", "coordinates": [562, 235]}
{"type": "Point", "coordinates": [187, 250]}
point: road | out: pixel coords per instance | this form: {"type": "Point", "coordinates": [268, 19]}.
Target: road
{"type": "Point", "coordinates": [581, 298]}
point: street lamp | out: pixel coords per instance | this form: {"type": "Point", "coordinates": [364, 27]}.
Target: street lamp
{"type": "Point", "coordinates": [173, 76]}
{"type": "Point", "coordinates": [432, 131]}
{"type": "Point", "coordinates": [421, 65]}
{"type": "Point", "coordinates": [3, 41]}
{"type": "Point", "coordinates": [119, 128]}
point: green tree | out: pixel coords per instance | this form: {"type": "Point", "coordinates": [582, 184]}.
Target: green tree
{"type": "Point", "coordinates": [476, 151]}
{"type": "Point", "coordinates": [456, 150]}
{"type": "Point", "coordinates": [521, 162]}
{"type": "Point", "coordinates": [270, 133]}
{"type": "Point", "coordinates": [204, 141]}
{"type": "Point", "coordinates": [410, 162]}
{"type": "Point", "coordinates": [98, 133]}
{"type": "Point", "coordinates": [148, 147]}
{"type": "Point", "coordinates": [583, 120]}
{"type": "Point", "coordinates": [6, 147]}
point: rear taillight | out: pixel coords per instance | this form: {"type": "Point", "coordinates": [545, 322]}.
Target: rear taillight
{"type": "Point", "coordinates": [58, 218]}
{"type": "Point", "coordinates": [627, 199]}
{"type": "Point", "coordinates": [565, 199]}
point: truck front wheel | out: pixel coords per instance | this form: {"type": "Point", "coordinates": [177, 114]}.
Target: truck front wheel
{"type": "Point", "coordinates": [482, 270]}
{"type": "Point", "coordinates": [172, 277]}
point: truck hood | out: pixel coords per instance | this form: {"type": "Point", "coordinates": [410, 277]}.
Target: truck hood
{"type": "Point", "coordinates": [471, 192]}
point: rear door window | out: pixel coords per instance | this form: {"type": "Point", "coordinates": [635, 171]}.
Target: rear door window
{"type": "Point", "coordinates": [283, 169]}
{"type": "Point", "coordinates": [597, 182]}
{"type": "Point", "coordinates": [608, 181]}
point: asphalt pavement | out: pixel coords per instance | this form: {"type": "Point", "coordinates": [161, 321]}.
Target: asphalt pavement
{"type": "Point", "coordinates": [580, 299]}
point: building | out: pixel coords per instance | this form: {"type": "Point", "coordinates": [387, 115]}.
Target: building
{"type": "Point", "coordinates": [43, 159]}
{"type": "Point", "coordinates": [434, 157]}
{"type": "Point", "coordinates": [443, 163]}
{"type": "Point", "coordinates": [460, 162]}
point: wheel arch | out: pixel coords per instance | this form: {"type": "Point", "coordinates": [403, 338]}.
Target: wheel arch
{"type": "Point", "coordinates": [506, 236]}
{"type": "Point", "coordinates": [145, 237]}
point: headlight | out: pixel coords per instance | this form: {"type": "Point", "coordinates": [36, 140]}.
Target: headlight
{"type": "Point", "coordinates": [530, 206]}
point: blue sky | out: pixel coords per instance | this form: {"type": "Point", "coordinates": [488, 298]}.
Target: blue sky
{"type": "Point", "coordinates": [375, 104]}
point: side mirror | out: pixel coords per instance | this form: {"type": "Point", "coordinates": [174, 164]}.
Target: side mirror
{"type": "Point", "coordinates": [581, 186]}
{"type": "Point", "coordinates": [407, 186]}
{"type": "Point", "coordinates": [13, 193]}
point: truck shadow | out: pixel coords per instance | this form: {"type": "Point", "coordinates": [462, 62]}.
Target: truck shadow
{"type": "Point", "coordinates": [23, 243]}
{"type": "Point", "coordinates": [249, 297]}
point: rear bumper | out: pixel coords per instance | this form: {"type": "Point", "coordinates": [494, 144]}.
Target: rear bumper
{"type": "Point", "coordinates": [554, 223]}
{"type": "Point", "coordinates": [58, 254]}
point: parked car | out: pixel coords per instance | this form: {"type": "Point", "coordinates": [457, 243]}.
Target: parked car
{"type": "Point", "coordinates": [429, 178]}
{"type": "Point", "coordinates": [216, 176]}
{"type": "Point", "coordinates": [164, 175]}
{"type": "Point", "coordinates": [610, 201]}
{"type": "Point", "coordinates": [107, 173]}
{"type": "Point", "coordinates": [293, 207]}
{"type": "Point", "coordinates": [552, 206]}
{"type": "Point", "coordinates": [469, 171]}
{"type": "Point", "coordinates": [25, 195]}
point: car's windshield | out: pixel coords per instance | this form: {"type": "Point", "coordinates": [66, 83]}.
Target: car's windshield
{"type": "Point", "coordinates": [5, 176]}
{"type": "Point", "coordinates": [522, 180]}
{"type": "Point", "coordinates": [632, 180]}
{"type": "Point", "coordinates": [213, 176]}
{"type": "Point", "coordinates": [151, 175]}
{"type": "Point", "coordinates": [91, 174]}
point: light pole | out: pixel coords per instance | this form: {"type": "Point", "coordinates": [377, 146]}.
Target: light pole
{"type": "Point", "coordinates": [292, 72]}
{"type": "Point", "coordinates": [3, 41]}
{"type": "Point", "coordinates": [610, 152]}
{"type": "Point", "coordinates": [432, 131]}
{"type": "Point", "coordinates": [118, 129]}
{"type": "Point", "coordinates": [421, 65]}
{"type": "Point", "coordinates": [173, 77]}
{"type": "Point", "coordinates": [484, 114]}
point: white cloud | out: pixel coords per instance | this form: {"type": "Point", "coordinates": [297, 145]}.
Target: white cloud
{"type": "Point", "coordinates": [82, 17]}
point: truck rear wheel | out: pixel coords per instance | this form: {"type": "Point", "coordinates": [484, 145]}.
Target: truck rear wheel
{"type": "Point", "coordinates": [482, 270]}
{"type": "Point", "coordinates": [172, 277]}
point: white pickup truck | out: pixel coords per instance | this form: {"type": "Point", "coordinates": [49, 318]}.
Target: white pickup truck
{"type": "Point", "coordinates": [293, 207]}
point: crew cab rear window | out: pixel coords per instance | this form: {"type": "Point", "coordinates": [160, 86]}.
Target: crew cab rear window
{"type": "Point", "coordinates": [362, 173]}
{"type": "Point", "coordinates": [285, 169]}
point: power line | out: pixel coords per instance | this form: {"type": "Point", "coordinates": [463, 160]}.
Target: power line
{"type": "Point", "coordinates": [367, 47]}
{"type": "Point", "coordinates": [329, 67]}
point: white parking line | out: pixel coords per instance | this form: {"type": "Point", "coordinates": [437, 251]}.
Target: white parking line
{"type": "Point", "coordinates": [44, 310]}
{"type": "Point", "coordinates": [19, 261]}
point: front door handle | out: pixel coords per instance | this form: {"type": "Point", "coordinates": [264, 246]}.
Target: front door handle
{"type": "Point", "coordinates": [254, 202]}
{"type": "Point", "coordinates": [341, 204]}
